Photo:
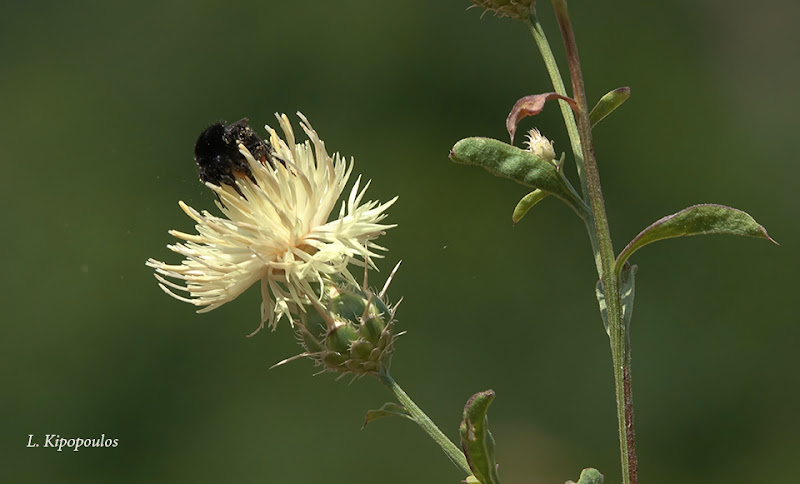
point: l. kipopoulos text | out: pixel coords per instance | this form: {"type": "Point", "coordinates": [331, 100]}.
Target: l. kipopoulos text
{"type": "Point", "coordinates": [75, 443]}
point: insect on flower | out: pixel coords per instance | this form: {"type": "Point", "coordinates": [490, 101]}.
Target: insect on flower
{"type": "Point", "coordinates": [278, 227]}
{"type": "Point", "coordinates": [218, 157]}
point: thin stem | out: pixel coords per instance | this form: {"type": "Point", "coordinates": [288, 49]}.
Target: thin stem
{"type": "Point", "coordinates": [569, 121]}
{"type": "Point", "coordinates": [617, 332]}
{"type": "Point", "coordinates": [453, 452]}
{"type": "Point", "coordinates": [558, 85]}
{"type": "Point", "coordinates": [630, 435]}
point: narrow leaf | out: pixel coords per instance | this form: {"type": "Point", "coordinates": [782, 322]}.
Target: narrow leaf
{"type": "Point", "coordinates": [389, 409]}
{"type": "Point", "coordinates": [608, 103]}
{"type": "Point", "coordinates": [477, 441]}
{"type": "Point", "coordinates": [628, 288]}
{"type": "Point", "coordinates": [696, 220]}
{"type": "Point", "coordinates": [502, 159]}
{"type": "Point", "coordinates": [531, 106]}
{"type": "Point", "coordinates": [526, 203]}
{"type": "Point", "coordinates": [589, 476]}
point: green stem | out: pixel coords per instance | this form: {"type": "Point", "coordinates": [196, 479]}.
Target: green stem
{"type": "Point", "coordinates": [569, 121]}
{"type": "Point", "coordinates": [558, 85]}
{"type": "Point", "coordinates": [620, 353]}
{"type": "Point", "coordinates": [453, 452]}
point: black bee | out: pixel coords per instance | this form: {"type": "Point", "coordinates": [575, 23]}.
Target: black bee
{"type": "Point", "coordinates": [217, 153]}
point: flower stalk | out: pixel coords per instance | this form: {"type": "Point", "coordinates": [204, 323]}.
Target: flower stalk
{"type": "Point", "coordinates": [453, 452]}
{"type": "Point", "coordinates": [569, 121]}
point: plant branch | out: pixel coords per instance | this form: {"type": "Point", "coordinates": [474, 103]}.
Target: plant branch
{"type": "Point", "coordinates": [453, 452]}
{"type": "Point", "coordinates": [569, 121]}
{"type": "Point", "coordinates": [558, 85]}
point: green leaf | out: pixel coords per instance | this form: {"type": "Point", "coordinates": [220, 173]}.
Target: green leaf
{"type": "Point", "coordinates": [477, 441]}
{"type": "Point", "coordinates": [526, 203]}
{"type": "Point", "coordinates": [696, 220]}
{"type": "Point", "coordinates": [589, 476]}
{"type": "Point", "coordinates": [628, 288]}
{"type": "Point", "coordinates": [504, 160]}
{"type": "Point", "coordinates": [608, 103]}
{"type": "Point", "coordinates": [389, 409]}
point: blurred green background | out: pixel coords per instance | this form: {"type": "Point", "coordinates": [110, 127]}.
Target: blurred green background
{"type": "Point", "coordinates": [101, 106]}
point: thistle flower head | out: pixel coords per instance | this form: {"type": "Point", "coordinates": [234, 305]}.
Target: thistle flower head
{"type": "Point", "coordinates": [540, 146]}
{"type": "Point", "coordinates": [517, 9]}
{"type": "Point", "coordinates": [352, 330]}
{"type": "Point", "coordinates": [276, 231]}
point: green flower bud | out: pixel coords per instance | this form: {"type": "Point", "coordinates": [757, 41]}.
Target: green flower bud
{"type": "Point", "coordinates": [517, 9]}
{"type": "Point", "coordinates": [349, 330]}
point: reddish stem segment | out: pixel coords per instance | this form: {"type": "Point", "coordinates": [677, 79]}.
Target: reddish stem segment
{"type": "Point", "coordinates": [611, 285]}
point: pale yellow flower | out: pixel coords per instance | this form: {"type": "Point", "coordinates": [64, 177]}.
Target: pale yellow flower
{"type": "Point", "coordinates": [279, 233]}
{"type": "Point", "coordinates": [540, 146]}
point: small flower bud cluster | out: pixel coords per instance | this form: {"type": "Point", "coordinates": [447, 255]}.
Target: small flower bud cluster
{"type": "Point", "coordinates": [349, 331]}
{"type": "Point", "coordinates": [540, 146]}
{"type": "Point", "coordinates": [517, 9]}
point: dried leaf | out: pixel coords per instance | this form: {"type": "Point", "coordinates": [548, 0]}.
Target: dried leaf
{"type": "Point", "coordinates": [531, 106]}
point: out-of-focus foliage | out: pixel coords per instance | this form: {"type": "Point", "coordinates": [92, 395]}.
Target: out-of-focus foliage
{"type": "Point", "coordinates": [101, 106]}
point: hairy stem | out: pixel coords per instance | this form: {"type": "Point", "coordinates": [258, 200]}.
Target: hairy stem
{"type": "Point", "coordinates": [453, 452]}
{"type": "Point", "coordinates": [558, 85]}
{"type": "Point", "coordinates": [569, 121]}
{"type": "Point", "coordinates": [620, 353]}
